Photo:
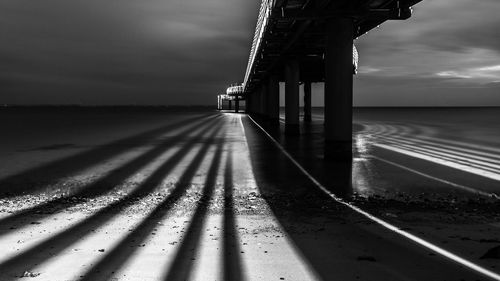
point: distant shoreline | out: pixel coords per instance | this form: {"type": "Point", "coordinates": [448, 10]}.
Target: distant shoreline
{"type": "Point", "coordinates": [200, 106]}
{"type": "Point", "coordinates": [195, 108]}
{"type": "Point", "coordinates": [107, 108]}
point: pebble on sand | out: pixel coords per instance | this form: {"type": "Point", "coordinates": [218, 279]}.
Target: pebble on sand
{"type": "Point", "coordinates": [30, 274]}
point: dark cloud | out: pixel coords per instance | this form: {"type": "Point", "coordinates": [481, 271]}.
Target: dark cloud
{"type": "Point", "coordinates": [448, 53]}
{"type": "Point", "coordinates": [461, 24]}
{"type": "Point", "coordinates": [122, 51]}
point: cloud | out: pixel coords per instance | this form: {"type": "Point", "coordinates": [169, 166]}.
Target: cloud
{"type": "Point", "coordinates": [122, 51]}
{"type": "Point", "coordinates": [450, 45]}
{"type": "Point", "coordinates": [186, 51]}
{"type": "Point", "coordinates": [453, 74]}
{"type": "Point", "coordinates": [367, 70]}
{"type": "Point", "coordinates": [485, 73]}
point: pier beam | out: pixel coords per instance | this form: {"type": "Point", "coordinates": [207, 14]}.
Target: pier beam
{"type": "Point", "coordinates": [230, 104]}
{"type": "Point", "coordinates": [273, 100]}
{"type": "Point", "coordinates": [338, 88]}
{"type": "Point", "coordinates": [236, 105]}
{"type": "Point", "coordinates": [292, 77]}
{"type": "Point", "coordinates": [307, 101]}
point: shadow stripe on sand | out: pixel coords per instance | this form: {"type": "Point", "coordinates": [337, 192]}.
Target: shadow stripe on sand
{"type": "Point", "coordinates": [232, 265]}
{"type": "Point", "coordinates": [181, 267]}
{"type": "Point", "coordinates": [15, 184]}
{"type": "Point", "coordinates": [40, 253]}
{"type": "Point", "coordinates": [99, 187]}
{"type": "Point", "coordinates": [105, 267]}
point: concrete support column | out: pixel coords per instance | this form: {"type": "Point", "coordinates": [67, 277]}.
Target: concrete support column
{"type": "Point", "coordinates": [236, 105]}
{"type": "Point", "coordinates": [230, 104]}
{"type": "Point", "coordinates": [248, 103]}
{"type": "Point", "coordinates": [254, 101]}
{"type": "Point", "coordinates": [307, 101]}
{"type": "Point", "coordinates": [338, 88]}
{"type": "Point", "coordinates": [273, 99]}
{"type": "Point", "coordinates": [257, 101]}
{"type": "Point", "coordinates": [292, 77]}
{"type": "Point", "coordinates": [263, 101]}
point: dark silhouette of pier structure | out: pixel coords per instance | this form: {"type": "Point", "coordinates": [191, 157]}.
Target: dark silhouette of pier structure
{"type": "Point", "coordinates": [233, 93]}
{"type": "Point", "coordinates": [305, 41]}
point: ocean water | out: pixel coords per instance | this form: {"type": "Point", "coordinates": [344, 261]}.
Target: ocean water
{"type": "Point", "coordinates": [428, 152]}
{"type": "Point", "coordinates": [474, 125]}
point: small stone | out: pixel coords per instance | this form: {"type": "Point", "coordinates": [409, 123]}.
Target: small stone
{"type": "Point", "coordinates": [101, 250]}
{"type": "Point", "coordinates": [30, 274]}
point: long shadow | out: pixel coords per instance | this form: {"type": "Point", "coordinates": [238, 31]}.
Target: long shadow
{"type": "Point", "coordinates": [99, 187]}
{"type": "Point", "coordinates": [49, 248]}
{"type": "Point", "coordinates": [291, 195]}
{"type": "Point", "coordinates": [181, 267]}
{"type": "Point", "coordinates": [17, 184]}
{"type": "Point", "coordinates": [308, 149]}
{"type": "Point", "coordinates": [231, 265]}
{"type": "Point", "coordinates": [122, 251]}
{"type": "Point", "coordinates": [327, 235]}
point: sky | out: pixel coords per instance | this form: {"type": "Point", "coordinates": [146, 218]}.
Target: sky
{"type": "Point", "coordinates": [182, 52]}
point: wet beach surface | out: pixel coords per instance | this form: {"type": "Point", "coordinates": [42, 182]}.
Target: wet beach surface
{"type": "Point", "coordinates": [201, 195]}
{"type": "Point", "coordinates": [420, 169]}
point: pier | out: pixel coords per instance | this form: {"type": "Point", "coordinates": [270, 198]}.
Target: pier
{"type": "Point", "coordinates": [301, 42]}
{"type": "Point", "coordinates": [116, 165]}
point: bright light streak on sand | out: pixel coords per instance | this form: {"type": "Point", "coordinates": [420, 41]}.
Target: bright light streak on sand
{"type": "Point", "coordinates": [463, 187]}
{"type": "Point", "coordinates": [469, 160]}
{"type": "Point", "coordinates": [382, 130]}
{"type": "Point", "coordinates": [462, 167]}
{"type": "Point", "coordinates": [468, 153]}
{"type": "Point", "coordinates": [86, 252]}
{"type": "Point", "coordinates": [481, 160]}
{"type": "Point", "coordinates": [443, 252]}
{"type": "Point", "coordinates": [23, 239]}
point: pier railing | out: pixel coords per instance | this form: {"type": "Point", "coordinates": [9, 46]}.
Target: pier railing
{"type": "Point", "coordinates": [266, 7]}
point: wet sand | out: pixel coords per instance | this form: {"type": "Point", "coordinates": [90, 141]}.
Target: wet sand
{"type": "Point", "coordinates": [201, 195]}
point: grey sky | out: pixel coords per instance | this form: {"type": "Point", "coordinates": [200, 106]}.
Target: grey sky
{"type": "Point", "coordinates": [448, 53]}
{"type": "Point", "coordinates": [186, 51]}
